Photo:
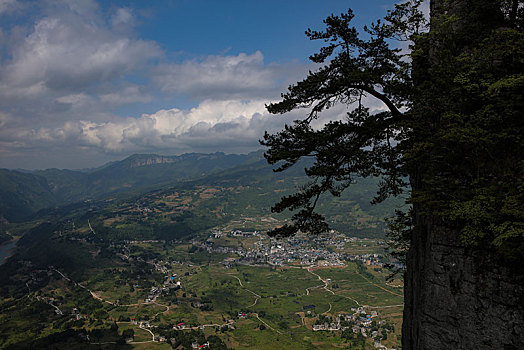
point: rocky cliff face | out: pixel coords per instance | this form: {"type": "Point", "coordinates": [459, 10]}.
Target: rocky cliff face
{"type": "Point", "coordinates": [460, 298]}
{"type": "Point", "coordinates": [145, 160]}
{"type": "Point", "coordinates": [140, 160]}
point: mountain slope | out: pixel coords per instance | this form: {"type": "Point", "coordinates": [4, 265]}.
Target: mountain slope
{"type": "Point", "coordinates": [134, 172]}
{"type": "Point", "coordinates": [23, 194]}
{"type": "Point", "coordinates": [239, 197]}
{"type": "Point", "coordinates": [234, 186]}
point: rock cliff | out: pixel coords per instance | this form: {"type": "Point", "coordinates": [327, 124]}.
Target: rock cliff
{"type": "Point", "coordinates": [460, 298]}
{"type": "Point", "coordinates": [457, 296]}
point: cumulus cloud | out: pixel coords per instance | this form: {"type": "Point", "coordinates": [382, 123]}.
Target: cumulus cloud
{"type": "Point", "coordinates": [212, 122]}
{"type": "Point", "coordinates": [227, 125]}
{"type": "Point", "coordinates": [63, 55]}
{"type": "Point", "coordinates": [127, 94]}
{"type": "Point", "coordinates": [218, 77]}
{"type": "Point", "coordinates": [70, 56]}
{"type": "Point", "coordinates": [123, 16]}
{"type": "Point", "coordinates": [7, 6]}
{"type": "Point", "coordinates": [63, 76]}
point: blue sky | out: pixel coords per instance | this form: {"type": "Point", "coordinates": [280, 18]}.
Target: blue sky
{"type": "Point", "coordinates": [188, 28]}
{"type": "Point", "coordinates": [85, 82]}
{"type": "Point", "coordinates": [216, 27]}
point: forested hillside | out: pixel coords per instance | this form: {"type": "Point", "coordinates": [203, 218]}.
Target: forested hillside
{"type": "Point", "coordinates": [24, 193]}
{"type": "Point", "coordinates": [241, 185]}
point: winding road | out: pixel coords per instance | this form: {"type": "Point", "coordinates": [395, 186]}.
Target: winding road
{"type": "Point", "coordinates": [323, 280]}
{"type": "Point", "coordinates": [256, 299]}
{"type": "Point", "coordinates": [250, 291]}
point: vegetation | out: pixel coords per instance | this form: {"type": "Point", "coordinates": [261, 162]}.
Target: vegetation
{"type": "Point", "coordinates": [242, 194]}
{"type": "Point", "coordinates": [118, 267]}
{"type": "Point", "coordinates": [452, 125]}
{"type": "Point", "coordinates": [100, 285]}
{"type": "Point", "coordinates": [468, 142]}
{"type": "Point", "coordinates": [23, 194]}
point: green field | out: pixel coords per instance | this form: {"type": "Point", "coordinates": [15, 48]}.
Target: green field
{"type": "Point", "coordinates": [238, 305]}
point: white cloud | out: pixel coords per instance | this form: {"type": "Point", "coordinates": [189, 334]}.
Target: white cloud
{"type": "Point", "coordinates": [62, 77]}
{"type": "Point", "coordinates": [123, 16]}
{"type": "Point", "coordinates": [128, 94]}
{"type": "Point", "coordinates": [62, 54]}
{"type": "Point", "coordinates": [7, 6]}
{"type": "Point", "coordinates": [70, 62]}
{"type": "Point", "coordinates": [84, 8]}
{"type": "Point", "coordinates": [223, 77]}
{"type": "Point", "coordinates": [167, 129]}
{"type": "Point", "coordinates": [227, 125]}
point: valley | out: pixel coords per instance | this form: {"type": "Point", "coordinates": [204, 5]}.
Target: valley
{"type": "Point", "coordinates": [188, 264]}
{"type": "Point", "coordinates": [244, 288]}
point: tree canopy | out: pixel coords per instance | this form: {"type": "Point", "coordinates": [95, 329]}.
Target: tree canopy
{"type": "Point", "coordinates": [451, 125]}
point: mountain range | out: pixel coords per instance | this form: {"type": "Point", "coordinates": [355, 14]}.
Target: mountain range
{"type": "Point", "coordinates": [248, 186]}
{"type": "Point", "coordinates": [23, 193]}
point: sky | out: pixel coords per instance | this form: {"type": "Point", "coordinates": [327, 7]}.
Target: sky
{"type": "Point", "coordinates": [86, 82]}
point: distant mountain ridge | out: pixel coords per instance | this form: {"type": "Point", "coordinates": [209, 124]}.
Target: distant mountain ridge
{"type": "Point", "coordinates": [23, 193]}
{"type": "Point", "coordinates": [242, 185]}
{"type": "Point", "coordinates": [145, 160]}
{"type": "Point", "coordinates": [138, 160]}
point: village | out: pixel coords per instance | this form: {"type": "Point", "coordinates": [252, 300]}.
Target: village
{"type": "Point", "coordinates": [304, 250]}
{"type": "Point", "coordinates": [301, 251]}
{"type": "Point", "coordinates": [361, 321]}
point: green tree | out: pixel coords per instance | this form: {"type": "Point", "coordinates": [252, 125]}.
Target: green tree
{"type": "Point", "coordinates": [128, 333]}
{"type": "Point", "coordinates": [452, 122]}
{"type": "Point", "coordinates": [216, 343]}
{"type": "Point", "coordinates": [449, 137]}
{"type": "Point", "coordinates": [363, 143]}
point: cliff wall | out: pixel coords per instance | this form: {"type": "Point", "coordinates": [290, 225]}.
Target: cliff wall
{"type": "Point", "coordinates": [457, 297]}
{"type": "Point", "coordinates": [460, 298]}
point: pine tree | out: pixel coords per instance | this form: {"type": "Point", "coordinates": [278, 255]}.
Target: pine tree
{"type": "Point", "coordinates": [450, 136]}
{"type": "Point", "coordinates": [453, 123]}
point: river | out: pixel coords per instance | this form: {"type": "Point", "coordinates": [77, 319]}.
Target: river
{"type": "Point", "coordinates": [6, 249]}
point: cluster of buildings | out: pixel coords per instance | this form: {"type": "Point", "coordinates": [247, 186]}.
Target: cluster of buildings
{"type": "Point", "coordinates": [360, 321]}
{"type": "Point", "coordinates": [298, 250]}
{"type": "Point", "coordinates": [368, 259]}
{"type": "Point", "coordinates": [302, 249]}
{"type": "Point", "coordinates": [78, 315]}
{"type": "Point", "coordinates": [375, 260]}
{"type": "Point", "coordinates": [170, 282]}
